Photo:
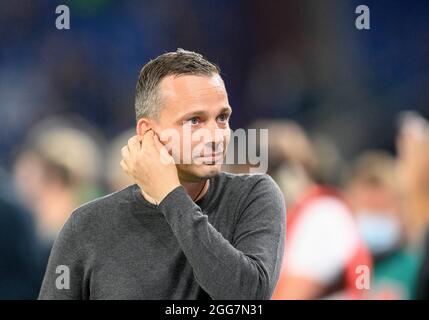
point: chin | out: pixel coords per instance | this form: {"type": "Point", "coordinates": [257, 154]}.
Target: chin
{"type": "Point", "coordinates": [201, 171]}
{"type": "Point", "coordinates": [209, 171]}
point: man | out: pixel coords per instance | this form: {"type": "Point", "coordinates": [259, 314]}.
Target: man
{"type": "Point", "coordinates": [185, 230]}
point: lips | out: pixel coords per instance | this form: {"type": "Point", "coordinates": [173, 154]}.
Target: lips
{"type": "Point", "coordinates": [213, 157]}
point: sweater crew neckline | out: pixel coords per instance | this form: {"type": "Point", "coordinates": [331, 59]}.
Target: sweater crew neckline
{"type": "Point", "coordinates": [203, 202]}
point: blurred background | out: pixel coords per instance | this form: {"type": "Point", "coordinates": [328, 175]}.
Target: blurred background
{"type": "Point", "coordinates": [346, 110]}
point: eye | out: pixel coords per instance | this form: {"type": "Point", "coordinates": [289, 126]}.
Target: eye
{"type": "Point", "coordinates": [193, 121]}
{"type": "Point", "coordinates": [223, 117]}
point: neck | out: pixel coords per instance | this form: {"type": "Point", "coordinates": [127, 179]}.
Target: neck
{"type": "Point", "coordinates": [196, 190]}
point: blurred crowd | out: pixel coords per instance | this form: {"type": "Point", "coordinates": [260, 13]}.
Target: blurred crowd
{"type": "Point", "coordinates": [353, 166]}
{"type": "Point", "coordinates": [372, 211]}
{"type": "Point", "coordinates": [347, 220]}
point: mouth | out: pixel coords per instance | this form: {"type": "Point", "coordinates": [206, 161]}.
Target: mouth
{"type": "Point", "coordinates": [212, 158]}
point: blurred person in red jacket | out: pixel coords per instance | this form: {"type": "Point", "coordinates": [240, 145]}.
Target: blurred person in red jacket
{"type": "Point", "coordinates": [324, 252]}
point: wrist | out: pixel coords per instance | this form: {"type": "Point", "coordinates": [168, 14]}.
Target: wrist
{"type": "Point", "coordinates": [166, 191]}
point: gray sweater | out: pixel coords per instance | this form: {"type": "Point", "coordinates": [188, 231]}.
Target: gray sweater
{"type": "Point", "coordinates": [227, 245]}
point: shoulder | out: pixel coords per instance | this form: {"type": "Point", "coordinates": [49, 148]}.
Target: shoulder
{"type": "Point", "coordinates": [101, 209]}
{"type": "Point", "coordinates": [257, 189]}
{"type": "Point", "coordinates": [254, 185]}
{"type": "Point", "coordinates": [248, 180]}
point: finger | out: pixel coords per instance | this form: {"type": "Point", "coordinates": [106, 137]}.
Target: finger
{"type": "Point", "coordinates": [158, 144]}
{"type": "Point", "coordinates": [125, 152]}
{"type": "Point", "coordinates": [134, 144]}
{"type": "Point", "coordinates": [124, 166]}
{"type": "Point", "coordinates": [166, 157]}
{"type": "Point", "coordinates": [148, 137]}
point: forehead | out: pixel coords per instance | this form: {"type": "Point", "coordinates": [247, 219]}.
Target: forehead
{"type": "Point", "coordinates": [185, 91]}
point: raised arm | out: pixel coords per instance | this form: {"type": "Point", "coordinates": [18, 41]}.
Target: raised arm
{"type": "Point", "coordinates": [247, 268]}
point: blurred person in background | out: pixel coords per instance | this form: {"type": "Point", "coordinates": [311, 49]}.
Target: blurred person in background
{"type": "Point", "coordinates": [55, 171]}
{"type": "Point", "coordinates": [373, 192]}
{"type": "Point", "coordinates": [116, 178]}
{"type": "Point", "coordinates": [323, 246]}
{"type": "Point", "coordinates": [412, 145]}
{"type": "Point", "coordinates": [413, 168]}
{"type": "Point", "coordinates": [21, 268]}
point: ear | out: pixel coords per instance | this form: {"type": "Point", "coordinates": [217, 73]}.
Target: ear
{"type": "Point", "coordinates": [142, 126]}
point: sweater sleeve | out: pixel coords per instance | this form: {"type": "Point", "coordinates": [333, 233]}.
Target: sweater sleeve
{"type": "Point", "coordinates": [64, 272]}
{"type": "Point", "coordinates": [247, 268]}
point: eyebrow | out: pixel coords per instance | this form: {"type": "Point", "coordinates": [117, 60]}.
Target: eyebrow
{"type": "Point", "coordinates": [201, 113]}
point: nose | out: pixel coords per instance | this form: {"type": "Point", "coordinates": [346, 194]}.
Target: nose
{"type": "Point", "coordinates": [215, 136]}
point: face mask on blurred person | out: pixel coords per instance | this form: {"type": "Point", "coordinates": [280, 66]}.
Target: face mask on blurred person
{"type": "Point", "coordinates": [380, 231]}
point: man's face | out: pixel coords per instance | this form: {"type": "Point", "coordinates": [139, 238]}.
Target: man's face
{"type": "Point", "coordinates": [196, 109]}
